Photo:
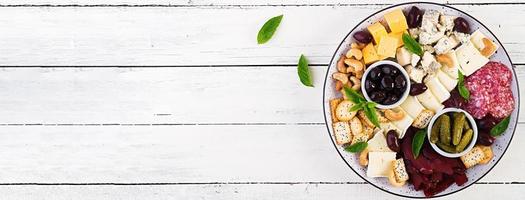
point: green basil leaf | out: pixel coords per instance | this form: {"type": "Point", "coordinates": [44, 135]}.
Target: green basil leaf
{"type": "Point", "coordinates": [357, 147]}
{"type": "Point", "coordinates": [500, 127]}
{"type": "Point", "coordinates": [357, 107]}
{"type": "Point", "coordinates": [353, 96]}
{"type": "Point", "coordinates": [463, 91]}
{"type": "Point", "coordinates": [268, 29]}
{"type": "Point", "coordinates": [304, 72]}
{"type": "Point", "coordinates": [412, 45]}
{"type": "Point", "coordinates": [417, 142]}
{"type": "Point", "coordinates": [371, 104]}
{"type": "Point", "coordinates": [371, 114]}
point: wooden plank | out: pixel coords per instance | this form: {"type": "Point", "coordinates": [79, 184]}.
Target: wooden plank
{"type": "Point", "coordinates": [189, 154]}
{"type": "Point", "coordinates": [183, 95]}
{"type": "Point", "coordinates": [240, 191]}
{"type": "Point", "coordinates": [200, 35]}
{"type": "Point", "coordinates": [210, 3]}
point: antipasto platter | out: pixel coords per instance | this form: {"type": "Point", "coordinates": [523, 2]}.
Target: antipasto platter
{"type": "Point", "coordinates": [421, 100]}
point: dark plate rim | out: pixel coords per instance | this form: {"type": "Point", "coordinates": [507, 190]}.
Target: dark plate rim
{"type": "Point", "coordinates": [332, 60]}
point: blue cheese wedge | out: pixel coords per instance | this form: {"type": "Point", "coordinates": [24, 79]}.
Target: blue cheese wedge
{"type": "Point", "coordinates": [447, 81]}
{"type": "Point", "coordinates": [430, 102]}
{"type": "Point", "coordinates": [470, 59]}
{"type": "Point", "coordinates": [412, 106]}
{"type": "Point", "coordinates": [403, 56]}
{"type": "Point", "coordinates": [378, 142]}
{"type": "Point", "coordinates": [414, 73]}
{"type": "Point", "coordinates": [438, 90]}
{"type": "Point", "coordinates": [447, 21]}
{"type": "Point", "coordinates": [380, 164]}
{"type": "Point", "coordinates": [445, 44]}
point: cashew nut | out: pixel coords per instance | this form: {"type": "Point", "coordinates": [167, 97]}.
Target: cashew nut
{"type": "Point", "coordinates": [445, 60]}
{"type": "Point", "coordinates": [355, 126]}
{"type": "Point", "coordinates": [338, 85]}
{"type": "Point", "coordinates": [353, 65]}
{"type": "Point", "coordinates": [341, 65]}
{"type": "Point", "coordinates": [356, 83]}
{"type": "Point", "coordinates": [354, 52]}
{"type": "Point", "coordinates": [489, 48]}
{"type": "Point", "coordinates": [340, 77]}
{"type": "Point", "coordinates": [363, 158]}
{"type": "Point", "coordinates": [393, 115]}
{"type": "Point", "coordinates": [393, 181]}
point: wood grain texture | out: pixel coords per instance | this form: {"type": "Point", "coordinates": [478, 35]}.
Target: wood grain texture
{"type": "Point", "coordinates": [180, 95]}
{"type": "Point", "coordinates": [241, 192]}
{"type": "Point", "coordinates": [189, 154]}
{"type": "Point", "coordinates": [181, 36]}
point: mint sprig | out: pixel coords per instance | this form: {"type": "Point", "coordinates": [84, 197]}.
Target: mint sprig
{"type": "Point", "coordinates": [500, 127]}
{"type": "Point", "coordinates": [417, 142]}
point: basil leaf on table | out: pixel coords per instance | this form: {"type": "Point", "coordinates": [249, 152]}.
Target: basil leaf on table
{"type": "Point", "coordinates": [463, 91]}
{"type": "Point", "coordinates": [357, 147]}
{"type": "Point", "coordinates": [353, 96]}
{"type": "Point", "coordinates": [417, 142]}
{"type": "Point", "coordinates": [412, 45]}
{"type": "Point", "coordinates": [500, 127]}
{"type": "Point", "coordinates": [268, 29]}
{"type": "Point", "coordinates": [304, 72]}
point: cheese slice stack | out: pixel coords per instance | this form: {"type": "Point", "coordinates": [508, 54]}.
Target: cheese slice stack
{"type": "Point", "coordinates": [437, 89]}
{"type": "Point", "coordinates": [380, 163]}
{"type": "Point", "coordinates": [429, 101]}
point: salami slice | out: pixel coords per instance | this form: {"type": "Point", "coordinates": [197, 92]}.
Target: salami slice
{"type": "Point", "coordinates": [490, 91]}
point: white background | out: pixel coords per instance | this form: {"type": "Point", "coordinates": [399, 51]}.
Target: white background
{"type": "Point", "coordinates": [129, 99]}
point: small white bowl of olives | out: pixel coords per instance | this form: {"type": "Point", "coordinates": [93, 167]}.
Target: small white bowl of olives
{"type": "Point", "coordinates": [385, 83]}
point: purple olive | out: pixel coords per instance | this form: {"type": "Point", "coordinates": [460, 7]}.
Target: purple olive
{"type": "Point", "coordinates": [391, 99]}
{"type": "Point", "coordinates": [484, 138]}
{"type": "Point", "coordinates": [461, 25]}
{"type": "Point", "coordinates": [414, 18]}
{"type": "Point", "coordinates": [392, 141]}
{"type": "Point", "coordinates": [363, 37]}
{"type": "Point", "coordinates": [417, 89]}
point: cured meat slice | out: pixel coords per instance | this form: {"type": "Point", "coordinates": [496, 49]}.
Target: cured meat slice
{"type": "Point", "coordinates": [478, 104]}
{"type": "Point", "coordinates": [502, 103]}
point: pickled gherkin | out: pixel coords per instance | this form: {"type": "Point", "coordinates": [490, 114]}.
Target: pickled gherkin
{"type": "Point", "coordinates": [434, 132]}
{"type": "Point", "coordinates": [447, 148]}
{"type": "Point", "coordinates": [444, 129]}
{"type": "Point", "coordinates": [459, 122]}
{"type": "Point", "coordinates": [465, 140]}
{"type": "Point", "coordinates": [466, 126]}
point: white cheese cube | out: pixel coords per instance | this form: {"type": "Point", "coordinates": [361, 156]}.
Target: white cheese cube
{"type": "Point", "coordinates": [445, 44]}
{"type": "Point", "coordinates": [438, 90]}
{"type": "Point", "coordinates": [430, 37]}
{"type": "Point", "coordinates": [415, 74]}
{"type": "Point", "coordinates": [447, 81]}
{"type": "Point", "coordinates": [403, 56]}
{"type": "Point", "coordinates": [378, 143]}
{"type": "Point", "coordinates": [429, 101]}
{"type": "Point", "coordinates": [403, 124]}
{"type": "Point", "coordinates": [412, 106]}
{"type": "Point", "coordinates": [477, 39]}
{"type": "Point", "coordinates": [447, 21]}
{"type": "Point", "coordinates": [380, 164]}
{"type": "Point", "coordinates": [470, 59]}
{"type": "Point", "coordinates": [414, 59]}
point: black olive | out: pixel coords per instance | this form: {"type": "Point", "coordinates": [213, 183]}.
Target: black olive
{"type": "Point", "coordinates": [375, 73]}
{"type": "Point", "coordinates": [387, 70]}
{"type": "Point", "coordinates": [387, 83]}
{"type": "Point", "coordinates": [377, 96]}
{"type": "Point", "coordinates": [395, 71]}
{"type": "Point", "coordinates": [414, 17]}
{"type": "Point", "coordinates": [370, 86]}
{"type": "Point", "coordinates": [400, 81]}
{"type": "Point", "coordinates": [392, 140]}
{"type": "Point", "coordinates": [391, 99]}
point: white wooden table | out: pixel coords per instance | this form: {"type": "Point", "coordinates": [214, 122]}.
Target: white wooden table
{"type": "Point", "coordinates": [129, 99]}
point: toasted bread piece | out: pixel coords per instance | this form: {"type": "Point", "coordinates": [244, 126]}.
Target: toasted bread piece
{"type": "Point", "coordinates": [342, 133]}
{"type": "Point", "coordinates": [400, 171]}
{"type": "Point", "coordinates": [473, 157]}
{"type": "Point", "coordinates": [361, 115]}
{"type": "Point", "coordinates": [333, 106]}
{"type": "Point", "coordinates": [422, 120]}
{"type": "Point", "coordinates": [342, 111]}
{"type": "Point", "coordinates": [487, 151]}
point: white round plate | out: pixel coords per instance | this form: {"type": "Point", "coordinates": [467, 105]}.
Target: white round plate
{"type": "Point", "coordinates": [473, 174]}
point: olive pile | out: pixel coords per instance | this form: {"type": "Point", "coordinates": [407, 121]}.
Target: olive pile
{"type": "Point", "coordinates": [451, 133]}
{"type": "Point", "coordinates": [385, 84]}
